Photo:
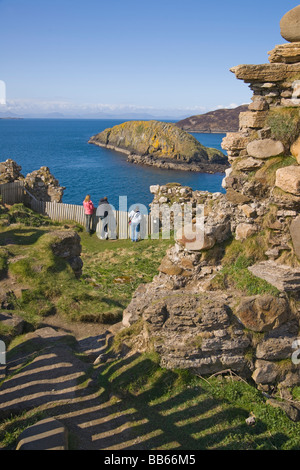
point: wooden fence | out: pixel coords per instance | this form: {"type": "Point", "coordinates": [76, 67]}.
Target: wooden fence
{"type": "Point", "coordinates": [12, 193]}
{"type": "Point", "coordinates": [117, 221]}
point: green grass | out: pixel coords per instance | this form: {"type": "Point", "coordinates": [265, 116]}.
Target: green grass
{"type": "Point", "coordinates": [118, 267]}
{"type": "Point", "coordinates": [239, 255]}
{"type": "Point", "coordinates": [112, 271]}
{"type": "Point", "coordinates": [284, 124]}
{"type": "Point", "coordinates": [175, 409]}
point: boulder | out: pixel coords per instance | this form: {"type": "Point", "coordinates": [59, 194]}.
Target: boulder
{"type": "Point", "coordinates": [265, 372]}
{"type": "Point", "coordinates": [262, 313]}
{"type": "Point", "coordinates": [265, 148]}
{"type": "Point", "coordinates": [15, 323]}
{"type": "Point", "coordinates": [288, 179]}
{"type": "Point", "coordinates": [290, 25]}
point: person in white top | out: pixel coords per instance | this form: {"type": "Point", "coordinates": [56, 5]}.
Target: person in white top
{"type": "Point", "coordinates": [135, 218]}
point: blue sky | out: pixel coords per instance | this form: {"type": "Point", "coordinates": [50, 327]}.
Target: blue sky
{"type": "Point", "coordinates": [118, 55]}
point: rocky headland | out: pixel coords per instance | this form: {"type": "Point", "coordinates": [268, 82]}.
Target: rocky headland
{"type": "Point", "coordinates": [219, 121]}
{"type": "Point", "coordinates": [161, 144]}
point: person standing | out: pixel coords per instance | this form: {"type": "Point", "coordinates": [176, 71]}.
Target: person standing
{"type": "Point", "coordinates": [135, 218]}
{"type": "Point", "coordinates": [88, 211]}
{"type": "Point", "coordinates": [102, 212]}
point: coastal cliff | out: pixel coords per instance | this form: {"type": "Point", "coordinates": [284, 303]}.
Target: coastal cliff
{"type": "Point", "coordinates": [161, 144]}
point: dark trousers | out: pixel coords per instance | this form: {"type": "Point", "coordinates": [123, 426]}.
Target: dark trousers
{"type": "Point", "coordinates": [88, 220]}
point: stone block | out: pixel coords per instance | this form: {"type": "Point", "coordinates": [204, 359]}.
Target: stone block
{"type": "Point", "coordinates": [248, 211]}
{"type": "Point", "coordinates": [265, 73]}
{"type": "Point", "coordinates": [283, 277]}
{"type": "Point", "coordinates": [295, 234]}
{"type": "Point", "coordinates": [258, 104]}
{"type": "Point", "coordinates": [265, 148]}
{"type": "Point", "coordinates": [285, 53]}
{"type": "Point", "coordinates": [288, 179]}
{"type": "Point", "coordinates": [248, 164]}
{"type": "Point", "coordinates": [234, 141]}
{"type": "Point", "coordinates": [252, 119]}
{"type": "Point", "coordinates": [244, 231]}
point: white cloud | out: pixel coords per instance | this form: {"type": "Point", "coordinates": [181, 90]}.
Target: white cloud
{"type": "Point", "coordinates": [44, 107]}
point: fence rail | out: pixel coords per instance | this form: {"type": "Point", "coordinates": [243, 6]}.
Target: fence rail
{"type": "Point", "coordinates": [117, 221]}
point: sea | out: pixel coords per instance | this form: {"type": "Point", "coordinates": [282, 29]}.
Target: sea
{"type": "Point", "coordinates": [82, 168]}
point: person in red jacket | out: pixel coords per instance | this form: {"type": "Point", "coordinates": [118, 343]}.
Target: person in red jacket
{"type": "Point", "coordinates": [89, 209]}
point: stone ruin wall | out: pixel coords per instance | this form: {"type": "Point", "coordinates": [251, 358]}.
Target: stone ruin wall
{"type": "Point", "coordinates": [194, 326]}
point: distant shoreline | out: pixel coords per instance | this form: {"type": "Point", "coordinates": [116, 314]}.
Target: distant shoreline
{"type": "Point", "coordinates": [12, 118]}
{"type": "Point", "coordinates": [208, 132]}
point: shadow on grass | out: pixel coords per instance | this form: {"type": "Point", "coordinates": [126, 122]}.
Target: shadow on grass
{"type": "Point", "coordinates": [133, 404]}
{"type": "Point", "coordinates": [20, 236]}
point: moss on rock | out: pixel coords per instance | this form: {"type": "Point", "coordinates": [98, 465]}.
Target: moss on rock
{"type": "Point", "coordinates": [158, 139]}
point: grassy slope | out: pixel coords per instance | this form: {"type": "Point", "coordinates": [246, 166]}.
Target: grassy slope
{"type": "Point", "coordinates": [112, 271]}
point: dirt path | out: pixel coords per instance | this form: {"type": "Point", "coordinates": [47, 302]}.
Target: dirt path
{"type": "Point", "coordinates": [80, 330]}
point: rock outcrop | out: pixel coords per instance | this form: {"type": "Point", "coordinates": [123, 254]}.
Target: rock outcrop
{"type": "Point", "coordinates": [219, 121]}
{"type": "Point", "coordinates": [10, 171]}
{"type": "Point", "coordinates": [44, 186]}
{"type": "Point", "coordinates": [40, 183]}
{"type": "Point", "coordinates": [161, 144]}
{"type": "Point", "coordinates": [66, 244]}
{"type": "Point", "coordinates": [230, 299]}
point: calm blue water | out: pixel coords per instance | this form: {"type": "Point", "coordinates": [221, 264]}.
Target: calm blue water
{"type": "Point", "coordinates": [84, 168]}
